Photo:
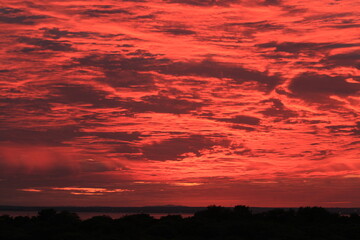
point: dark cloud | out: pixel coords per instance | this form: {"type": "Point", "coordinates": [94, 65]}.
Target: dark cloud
{"type": "Point", "coordinates": [174, 148]}
{"type": "Point", "coordinates": [148, 16]}
{"type": "Point", "coordinates": [162, 104]}
{"type": "Point", "coordinates": [22, 104]}
{"type": "Point", "coordinates": [18, 16]}
{"type": "Point", "coordinates": [134, 0]}
{"type": "Point", "coordinates": [346, 26]}
{"type": "Point", "coordinates": [97, 166]}
{"type": "Point", "coordinates": [356, 129]}
{"type": "Point", "coordinates": [345, 23]}
{"type": "Point", "coordinates": [49, 137]}
{"type": "Point", "coordinates": [99, 12]}
{"type": "Point", "coordinates": [142, 62]}
{"type": "Point", "coordinates": [256, 26]}
{"type": "Point", "coordinates": [86, 94]}
{"type": "Point", "coordinates": [348, 129]}
{"type": "Point", "coordinates": [324, 17]}
{"type": "Point", "coordinates": [297, 47]}
{"type": "Point", "coordinates": [351, 59]}
{"type": "Point", "coordinates": [56, 33]}
{"type": "Point", "coordinates": [240, 127]}
{"type": "Point", "coordinates": [44, 44]}
{"type": "Point", "coordinates": [123, 136]}
{"type": "Point", "coordinates": [8, 10]}
{"type": "Point", "coordinates": [292, 10]}
{"type": "Point", "coordinates": [205, 3]}
{"type": "Point", "coordinates": [128, 79]}
{"type": "Point", "coordinates": [316, 87]}
{"type": "Point", "coordinates": [321, 154]}
{"type": "Point", "coordinates": [143, 54]}
{"type": "Point", "coordinates": [277, 109]}
{"type": "Point", "coordinates": [124, 148]}
{"type": "Point", "coordinates": [209, 68]}
{"type": "Point", "coordinates": [57, 136]}
{"type": "Point", "coordinates": [82, 94]}
{"type": "Point", "coordinates": [145, 61]}
{"type": "Point", "coordinates": [272, 2]}
{"type": "Point", "coordinates": [305, 121]}
{"type": "Point", "coordinates": [241, 119]}
{"type": "Point", "coordinates": [56, 170]}
{"type": "Point", "coordinates": [178, 31]}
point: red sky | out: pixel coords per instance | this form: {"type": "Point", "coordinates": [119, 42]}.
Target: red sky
{"type": "Point", "coordinates": [190, 102]}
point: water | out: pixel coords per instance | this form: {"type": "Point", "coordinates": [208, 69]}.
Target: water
{"type": "Point", "coordinates": [87, 215]}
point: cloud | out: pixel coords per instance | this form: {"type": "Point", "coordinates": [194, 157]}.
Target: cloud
{"type": "Point", "coordinates": [128, 79]}
{"type": "Point", "coordinates": [210, 68]}
{"type": "Point", "coordinates": [186, 184]}
{"type": "Point", "coordinates": [49, 137]}
{"type": "Point", "coordinates": [178, 31]}
{"type": "Point", "coordinates": [58, 136]}
{"type": "Point", "coordinates": [241, 119]}
{"type": "Point", "coordinates": [272, 2]}
{"type": "Point", "coordinates": [298, 47]}
{"type": "Point", "coordinates": [44, 44]}
{"type": "Point", "coordinates": [82, 94]}
{"type": "Point", "coordinates": [240, 127]}
{"type": "Point", "coordinates": [175, 148]}
{"type": "Point", "coordinates": [316, 87]}
{"type": "Point", "coordinates": [31, 160]}
{"type": "Point", "coordinates": [18, 16]}
{"type": "Point", "coordinates": [30, 190]}
{"type": "Point", "coordinates": [90, 191]}
{"type": "Point", "coordinates": [56, 33]}
{"type": "Point", "coordinates": [110, 62]}
{"type": "Point", "coordinates": [105, 11]}
{"type": "Point", "coordinates": [205, 3]}
{"type": "Point", "coordinates": [207, 68]}
{"type": "Point", "coordinates": [123, 136]}
{"type": "Point", "coordinates": [277, 109]}
{"type": "Point", "coordinates": [348, 129]}
{"type": "Point", "coordinates": [351, 59]}
{"type": "Point", "coordinates": [255, 27]}
{"type": "Point", "coordinates": [162, 104]}
{"type": "Point", "coordinates": [22, 104]}
{"type": "Point", "coordinates": [134, 0]}
{"type": "Point", "coordinates": [93, 166]}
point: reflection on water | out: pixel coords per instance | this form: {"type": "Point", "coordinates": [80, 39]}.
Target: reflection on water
{"type": "Point", "coordinates": [87, 215]}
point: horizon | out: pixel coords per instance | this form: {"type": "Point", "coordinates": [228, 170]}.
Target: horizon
{"type": "Point", "coordinates": [180, 102]}
{"type": "Point", "coordinates": [166, 207]}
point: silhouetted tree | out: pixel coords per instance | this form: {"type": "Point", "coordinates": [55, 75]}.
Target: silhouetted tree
{"type": "Point", "coordinates": [214, 212]}
{"type": "Point", "coordinates": [312, 214]}
{"type": "Point", "coordinates": [46, 214]}
{"type": "Point", "coordinates": [242, 211]}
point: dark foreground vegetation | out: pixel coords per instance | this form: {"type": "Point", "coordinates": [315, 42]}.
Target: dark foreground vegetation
{"type": "Point", "coordinates": [308, 223]}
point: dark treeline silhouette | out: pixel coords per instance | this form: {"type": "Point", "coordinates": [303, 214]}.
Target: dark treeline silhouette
{"type": "Point", "coordinates": [214, 222]}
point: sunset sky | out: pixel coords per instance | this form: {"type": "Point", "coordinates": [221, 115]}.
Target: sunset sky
{"type": "Point", "coordinates": [183, 102]}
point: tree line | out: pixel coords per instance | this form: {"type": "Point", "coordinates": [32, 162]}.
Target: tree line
{"type": "Point", "coordinates": [214, 222]}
